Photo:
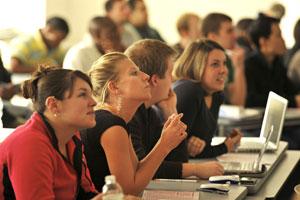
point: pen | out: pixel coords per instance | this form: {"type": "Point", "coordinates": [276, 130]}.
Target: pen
{"type": "Point", "coordinates": [178, 180]}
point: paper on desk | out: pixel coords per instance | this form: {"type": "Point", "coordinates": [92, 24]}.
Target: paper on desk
{"type": "Point", "coordinates": [238, 157]}
{"type": "Point", "coordinates": [166, 195]}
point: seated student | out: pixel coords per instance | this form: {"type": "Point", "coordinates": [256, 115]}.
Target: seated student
{"type": "Point", "coordinates": [200, 74]}
{"type": "Point", "coordinates": [155, 58]}
{"type": "Point", "coordinates": [139, 19]}
{"type": "Point", "coordinates": [118, 11]}
{"type": "Point", "coordinates": [42, 159]}
{"type": "Point", "coordinates": [219, 28]}
{"type": "Point", "coordinates": [189, 29]}
{"type": "Point", "coordinates": [242, 34]}
{"type": "Point", "coordinates": [120, 88]}
{"type": "Point", "coordinates": [42, 47]}
{"type": "Point", "coordinates": [7, 90]}
{"type": "Point", "coordinates": [264, 68]}
{"type": "Point", "coordinates": [292, 52]}
{"type": "Point", "coordinates": [103, 38]}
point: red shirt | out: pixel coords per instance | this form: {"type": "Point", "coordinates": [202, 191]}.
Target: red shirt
{"type": "Point", "coordinates": [36, 170]}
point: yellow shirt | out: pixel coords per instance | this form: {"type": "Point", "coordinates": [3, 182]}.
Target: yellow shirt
{"type": "Point", "coordinates": [32, 51]}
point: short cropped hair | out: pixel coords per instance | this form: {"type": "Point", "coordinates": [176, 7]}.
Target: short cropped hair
{"type": "Point", "coordinates": [151, 56]}
{"type": "Point", "coordinates": [109, 4]}
{"type": "Point", "coordinates": [182, 23]}
{"type": "Point", "coordinates": [262, 28]}
{"type": "Point", "coordinates": [59, 24]}
{"type": "Point", "coordinates": [212, 23]}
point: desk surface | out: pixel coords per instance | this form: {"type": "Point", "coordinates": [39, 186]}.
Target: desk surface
{"type": "Point", "coordinates": [273, 161]}
{"type": "Point", "coordinates": [280, 174]}
{"type": "Point", "coordinates": [236, 192]}
{"type": "Point", "coordinates": [292, 118]}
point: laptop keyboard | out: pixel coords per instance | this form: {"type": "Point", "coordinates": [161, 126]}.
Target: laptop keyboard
{"type": "Point", "coordinates": [238, 167]}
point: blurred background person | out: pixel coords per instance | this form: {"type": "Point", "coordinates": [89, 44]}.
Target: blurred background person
{"type": "Point", "coordinates": [139, 19]}
{"type": "Point", "coordinates": [189, 29]}
{"type": "Point", "coordinates": [103, 37]}
{"type": "Point", "coordinates": [118, 11]}
{"type": "Point", "coordinates": [41, 48]}
{"type": "Point", "coordinates": [265, 70]}
{"type": "Point", "coordinates": [7, 90]}
{"type": "Point", "coordinates": [243, 38]}
{"type": "Point", "coordinates": [292, 58]}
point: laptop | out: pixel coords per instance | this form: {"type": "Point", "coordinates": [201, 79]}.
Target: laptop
{"type": "Point", "coordinates": [255, 167]}
{"type": "Point", "coordinates": [274, 114]}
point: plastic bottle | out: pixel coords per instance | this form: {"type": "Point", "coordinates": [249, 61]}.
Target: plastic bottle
{"type": "Point", "coordinates": [112, 190]}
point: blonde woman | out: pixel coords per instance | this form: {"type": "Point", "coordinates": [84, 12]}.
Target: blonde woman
{"type": "Point", "coordinates": [200, 74]}
{"type": "Point", "coordinates": [120, 88]}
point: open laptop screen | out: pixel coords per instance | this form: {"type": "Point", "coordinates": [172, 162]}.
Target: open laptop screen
{"type": "Point", "coordinates": [274, 115]}
{"type": "Point", "coordinates": [263, 149]}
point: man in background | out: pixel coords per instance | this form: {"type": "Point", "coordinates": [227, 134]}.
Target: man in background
{"type": "Point", "coordinates": [41, 48]}
{"type": "Point", "coordinates": [189, 29]}
{"type": "Point", "coordinates": [103, 37]}
{"type": "Point", "coordinates": [139, 19]}
{"type": "Point", "coordinates": [118, 11]}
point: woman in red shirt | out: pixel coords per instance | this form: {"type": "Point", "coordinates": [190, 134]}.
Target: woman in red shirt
{"type": "Point", "coordinates": [43, 159]}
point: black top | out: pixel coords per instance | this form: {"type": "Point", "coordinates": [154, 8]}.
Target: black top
{"type": "Point", "coordinates": [262, 78]}
{"type": "Point", "coordinates": [200, 120]}
{"type": "Point", "coordinates": [94, 153]}
{"type": "Point", "coordinates": [146, 32]}
{"type": "Point", "coordinates": [145, 130]}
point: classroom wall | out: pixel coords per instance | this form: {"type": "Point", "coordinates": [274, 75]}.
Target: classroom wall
{"type": "Point", "coordinates": [164, 13]}
{"type": "Point", "coordinates": [29, 15]}
{"type": "Point", "coordinates": [77, 13]}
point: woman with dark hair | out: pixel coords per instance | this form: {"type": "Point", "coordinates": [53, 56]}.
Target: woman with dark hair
{"type": "Point", "coordinates": [42, 159]}
{"type": "Point", "coordinates": [200, 74]}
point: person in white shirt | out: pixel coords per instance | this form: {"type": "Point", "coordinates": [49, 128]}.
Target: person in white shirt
{"type": "Point", "coordinates": [103, 38]}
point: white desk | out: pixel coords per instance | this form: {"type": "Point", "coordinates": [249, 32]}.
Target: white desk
{"type": "Point", "coordinates": [236, 192]}
{"type": "Point", "coordinates": [277, 179]}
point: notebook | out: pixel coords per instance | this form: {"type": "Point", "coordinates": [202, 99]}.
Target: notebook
{"type": "Point", "coordinates": [255, 167]}
{"type": "Point", "coordinates": [274, 114]}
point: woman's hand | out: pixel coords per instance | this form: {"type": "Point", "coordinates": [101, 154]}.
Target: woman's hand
{"type": "Point", "coordinates": [195, 146]}
{"type": "Point", "coordinates": [173, 132]}
{"type": "Point", "coordinates": [233, 140]}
